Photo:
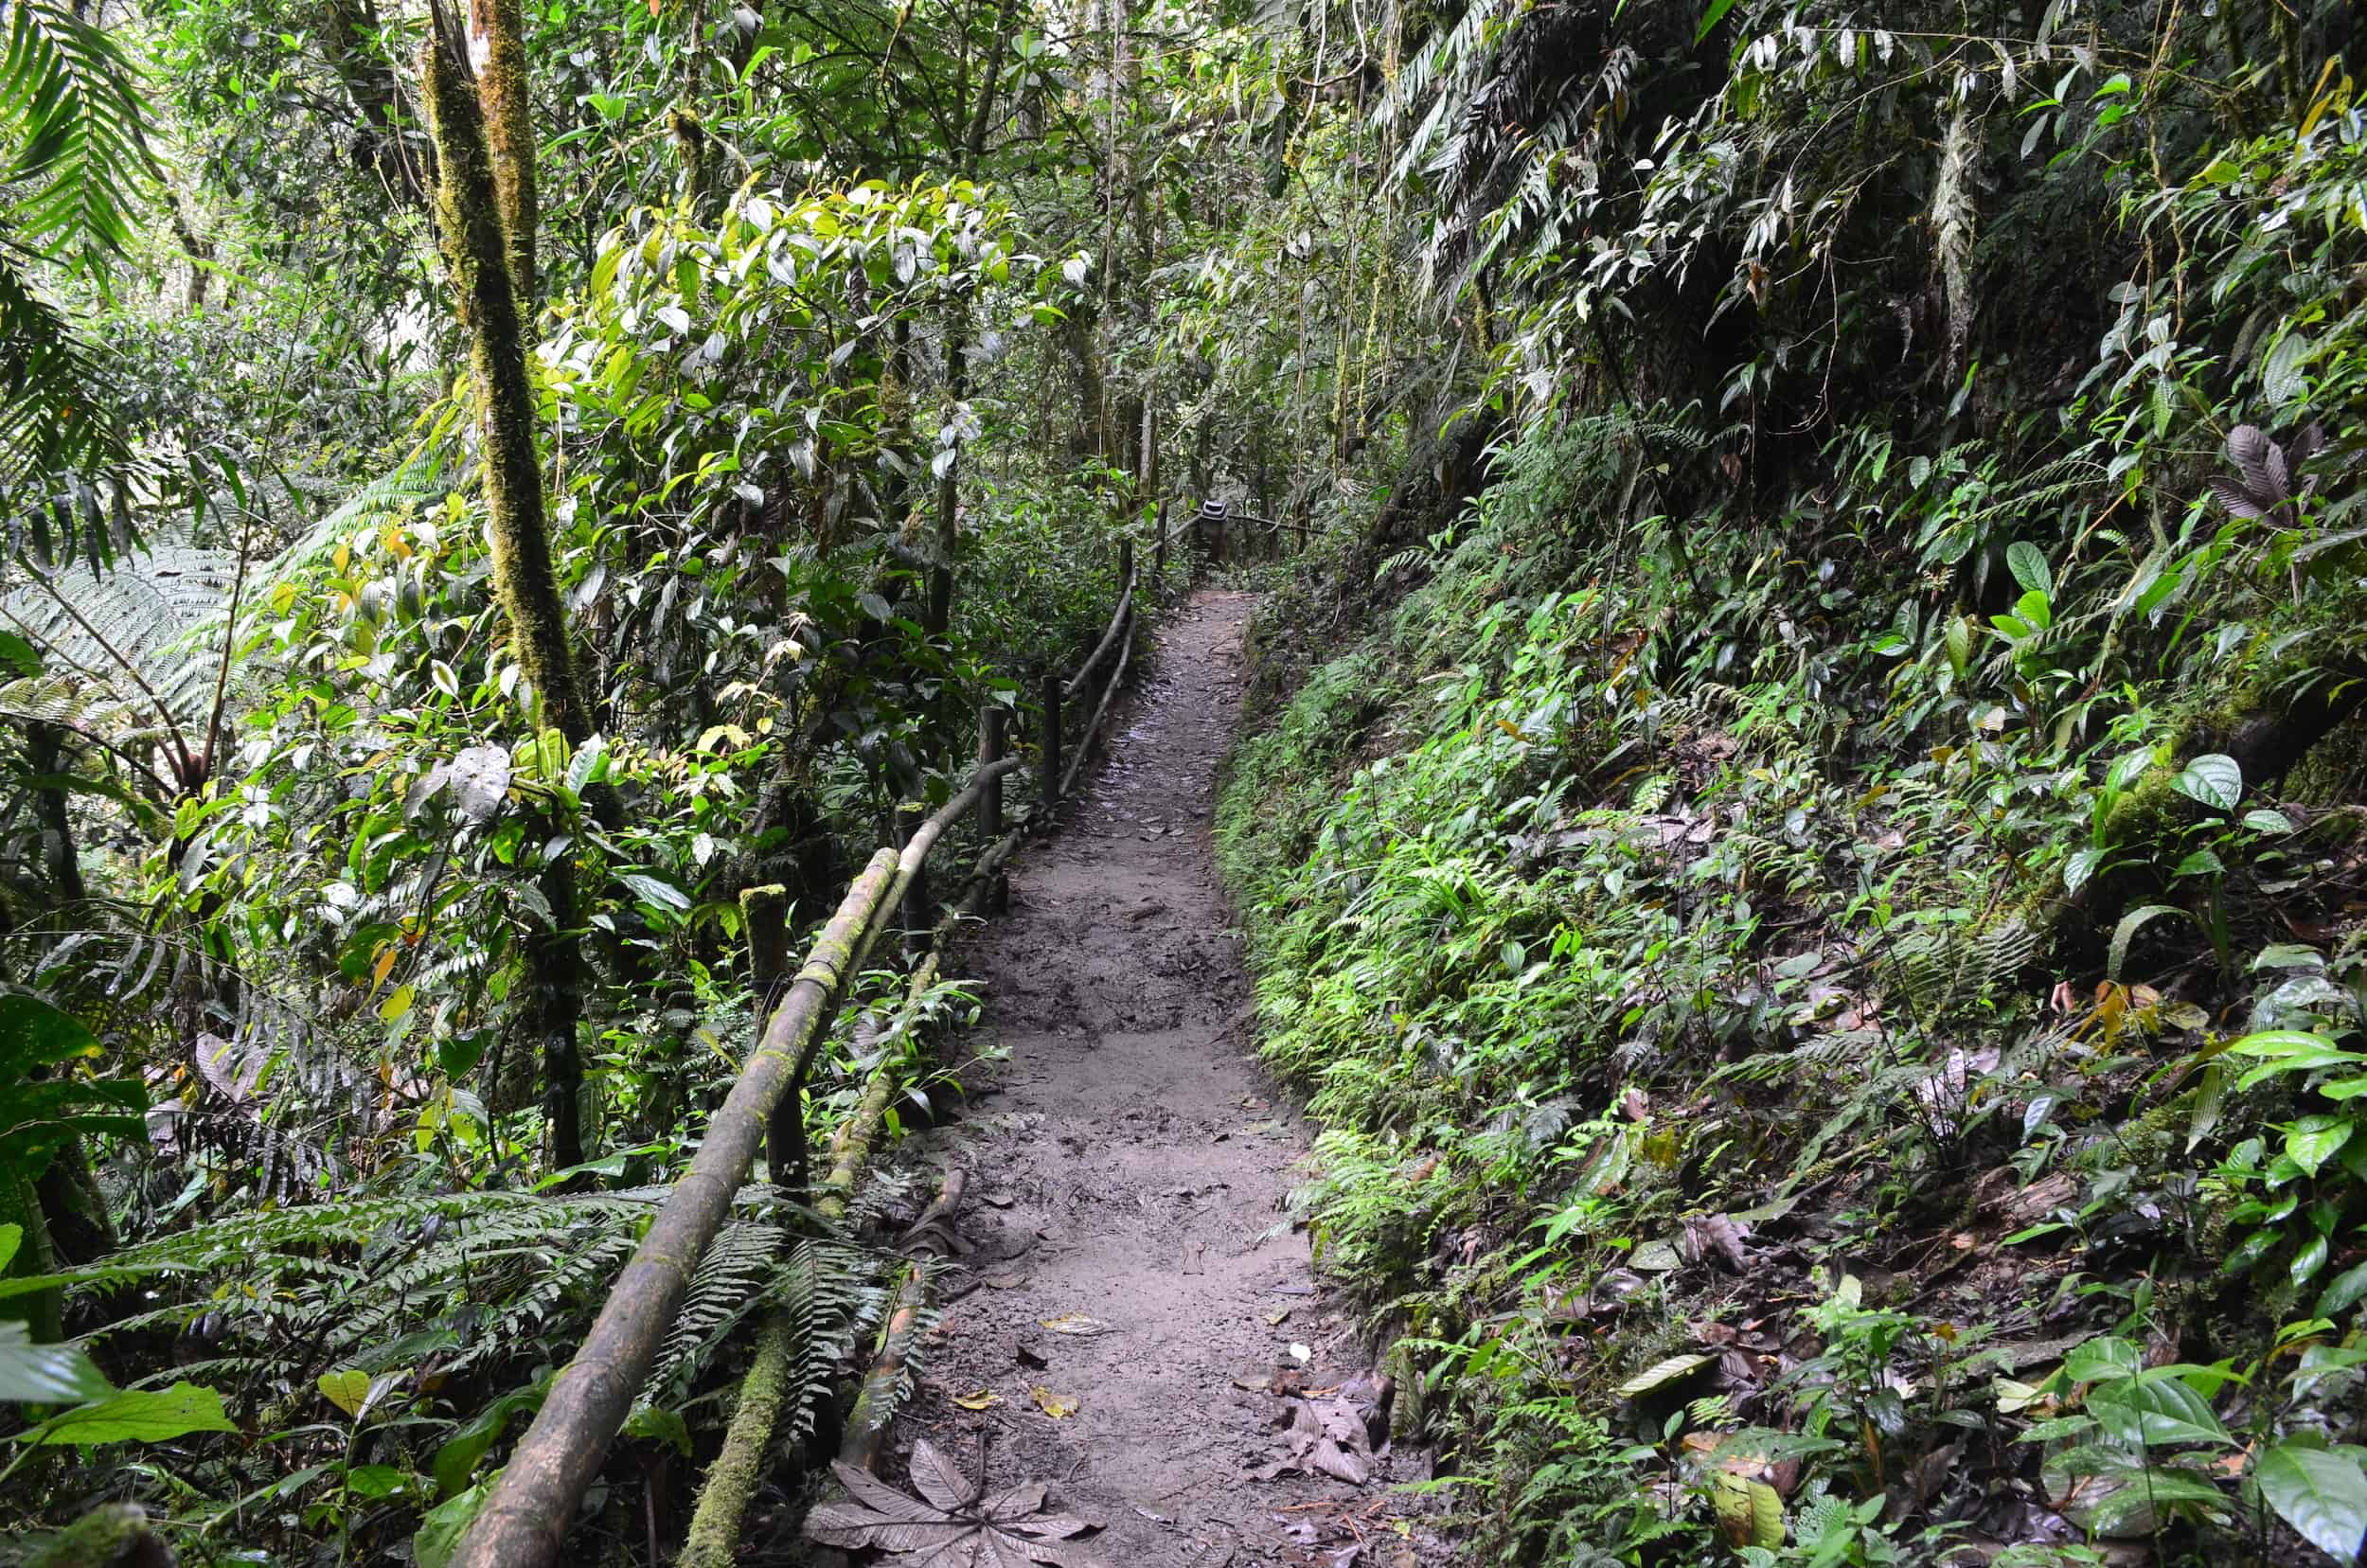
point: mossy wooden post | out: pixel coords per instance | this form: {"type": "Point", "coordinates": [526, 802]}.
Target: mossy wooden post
{"type": "Point", "coordinates": [917, 916]}
{"type": "Point", "coordinates": [1050, 783]}
{"type": "Point", "coordinates": [472, 197]}
{"type": "Point", "coordinates": [1126, 564]}
{"type": "Point", "coordinates": [764, 915]}
{"type": "Point", "coordinates": [992, 717]}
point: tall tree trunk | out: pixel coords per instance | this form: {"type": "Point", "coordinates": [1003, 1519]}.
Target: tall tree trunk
{"type": "Point", "coordinates": [497, 35]}
{"type": "Point", "coordinates": [45, 746]}
{"type": "Point", "coordinates": [486, 261]}
{"type": "Point", "coordinates": [940, 609]}
{"type": "Point", "coordinates": [349, 36]}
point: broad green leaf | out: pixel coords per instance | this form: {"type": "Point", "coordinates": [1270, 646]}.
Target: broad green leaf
{"type": "Point", "coordinates": [439, 1532]}
{"type": "Point", "coordinates": [649, 890]}
{"type": "Point", "coordinates": [2342, 1292]}
{"type": "Point", "coordinates": [1751, 1512]}
{"type": "Point", "coordinates": [2310, 1142]}
{"type": "Point", "coordinates": [459, 1458]}
{"type": "Point", "coordinates": [1711, 16]}
{"type": "Point", "coordinates": [135, 1416]}
{"type": "Point", "coordinates": [348, 1390]}
{"type": "Point", "coordinates": [2289, 1051]}
{"type": "Point", "coordinates": [44, 1374]}
{"type": "Point", "coordinates": [2152, 1410]}
{"type": "Point", "coordinates": [2029, 568]}
{"type": "Point", "coordinates": [2283, 375]}
{"type": "Point", "coordinates": [2213, 778]}
{"type": "Point", "coordinates": [2102, 1359]}
{"type": "Point", "coordinates": [2077, 870]}
{"type": "Point", "coordinates": [2321, 1494]}
{"type": "Point", "coordinates": [374, 1481]}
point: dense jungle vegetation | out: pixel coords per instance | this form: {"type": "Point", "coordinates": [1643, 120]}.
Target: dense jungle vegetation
{"type": "Point", "coordinates": [1802, 823]}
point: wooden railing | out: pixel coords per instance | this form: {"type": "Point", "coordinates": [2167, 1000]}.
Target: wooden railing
{"type": "Point", "coordinates": [525, 1518]}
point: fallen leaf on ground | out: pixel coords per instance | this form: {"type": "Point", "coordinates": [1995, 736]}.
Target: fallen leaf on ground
{"type": "Point", "coordinates": [980, 1400]}
{"type": "Point", "coordinates": [1273, 1319]}
{"type": "Point", "coordinates": [1076, 1322]}
{"type": "Point", "coordinates": [1326, 1437]}
{"type": "Point", "coordinates": [953, 1527]}
{"type": "Point", "coordinates": [1058, 1406]}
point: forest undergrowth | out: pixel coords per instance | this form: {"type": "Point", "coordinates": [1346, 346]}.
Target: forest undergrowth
{"type": "Point", "coordinates": [1835, 1001]}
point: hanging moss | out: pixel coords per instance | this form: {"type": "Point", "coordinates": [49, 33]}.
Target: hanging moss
{"type": "Point", "coordinates": [695, 148]}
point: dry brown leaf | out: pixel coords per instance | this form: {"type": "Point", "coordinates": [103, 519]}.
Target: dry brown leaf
{"type": "Point", "coordinates": [953, 1527]}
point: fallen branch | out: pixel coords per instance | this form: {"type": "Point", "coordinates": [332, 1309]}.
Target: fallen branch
{"type": "Point", "coordinates": [875, 1407]}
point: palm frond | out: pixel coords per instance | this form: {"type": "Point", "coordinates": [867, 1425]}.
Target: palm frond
{"type": "Point", "coordinates": [78, 129]}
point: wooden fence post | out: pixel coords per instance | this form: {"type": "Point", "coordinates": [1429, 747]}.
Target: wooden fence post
{"type": "Point", "coordinates": [918, 918]}
{"type": "Point", "coordinates": [1125, 563]}
{"type": "Point", "coordinates": [1051, 780]}
{"type": "Point", "coordinates": [1159, 551]}
{"type": "Point", "coordinates": [991, 722]}
{"type": "Point", "coordinates": [764, 920]}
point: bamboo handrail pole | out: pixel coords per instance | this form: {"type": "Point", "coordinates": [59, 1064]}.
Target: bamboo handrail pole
{"type": "Point", "coordinates": [1101, 650]}
{"type": "Point", "coordinates": [730, 1481]}
{"type": "Point", "coordinates": [1092, 727]}
{"type": "Point", "coordinates": [525, 1521]}
{"type": "Point", "coordinates": [917, 849]}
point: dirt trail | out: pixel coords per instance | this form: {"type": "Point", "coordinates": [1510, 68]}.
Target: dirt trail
{"type": "Point", "coordinates": [1132, 1157]}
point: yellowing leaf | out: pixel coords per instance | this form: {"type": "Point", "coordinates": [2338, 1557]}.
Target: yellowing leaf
{"type": "Point", "coordinates": [385, 966]}
{"type": "Point", "coordinates": [980, 1400]}
{"type": "Point", "coordinates": [1077, 1324]}
{"type": "Point", "coordinates": [347, 1390]}
{"type": "Point", "coordinates": [1751, 1512]}
{"type": "Point", "coordinates": [1058, 1406]}
{"type": "Point", "coordinates": [396, 1005]}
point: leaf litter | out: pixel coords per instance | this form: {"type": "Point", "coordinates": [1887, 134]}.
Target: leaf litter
{"type": "Point", "coordinates": [952, 1524]}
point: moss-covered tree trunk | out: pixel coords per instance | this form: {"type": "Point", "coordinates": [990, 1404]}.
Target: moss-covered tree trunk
{"type": "Point", "coordinates": [497, 32]}
{"type": "Point", "coordinates": [476, 200]}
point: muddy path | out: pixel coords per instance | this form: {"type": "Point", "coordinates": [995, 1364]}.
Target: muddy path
{"type": "Point", "coordinates": [1128, 1165]}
